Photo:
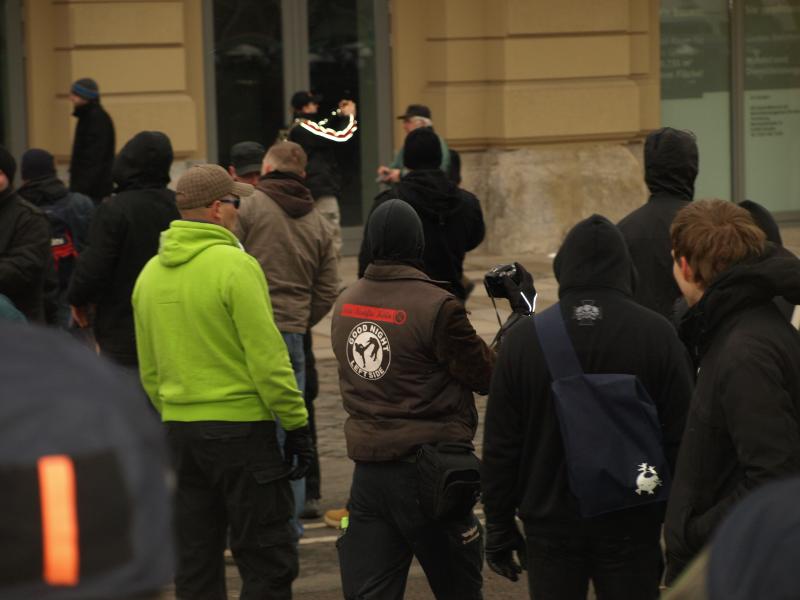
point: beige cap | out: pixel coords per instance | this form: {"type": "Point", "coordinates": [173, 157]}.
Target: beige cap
{"type": "Point", "coordinates": [202, 184]}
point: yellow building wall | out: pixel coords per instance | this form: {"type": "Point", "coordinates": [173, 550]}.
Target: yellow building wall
{"type": "Point", "coordinates": [145, 56]}
{"type": "Point", "coordinates": [514, 73]}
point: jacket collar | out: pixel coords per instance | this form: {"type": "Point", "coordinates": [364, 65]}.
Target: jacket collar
{"type": "Point", "coordinates": [380, 270]}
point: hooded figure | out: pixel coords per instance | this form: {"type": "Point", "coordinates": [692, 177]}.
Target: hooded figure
{"type": "Point", "coordinates": [524, 470]}
{"type": "Point", "coordinates": [670, 164]}
{"type": "Point", "coordinates": [24, 246]}
{"type": "Point", "coordinates": [451, 218]}
{"type": "Point", "coordinates": [766, 222]}
{"type": "Point", "coordinates": [69, 215]}
{"type": "Point", "coordinates": [124, 235]}
{"type": "Point", "coordinates": [754, 554]}
{"type": "Point", "coordinates": [93, 145]}
{"type": "Point", "coordinates": [409, 362]}
{"type": "Point", "coordinates": [79, 448]}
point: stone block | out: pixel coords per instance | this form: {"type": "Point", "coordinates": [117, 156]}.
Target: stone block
{"type": "Point", "coordinates": [532, 196]}
{"type": "Point", "coordinates": [126, 23]}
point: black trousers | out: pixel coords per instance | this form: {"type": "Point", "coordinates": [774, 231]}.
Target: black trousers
{"type": "Point", "coordinates": [387, 529]}
{"type": "Point", "coordinates": [621, 568]}
{"type": "Point", "coordinates": [232, 475]}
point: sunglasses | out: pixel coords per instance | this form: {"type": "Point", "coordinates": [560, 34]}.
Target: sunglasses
{"type": "Point", "coordinates": [234, 201]}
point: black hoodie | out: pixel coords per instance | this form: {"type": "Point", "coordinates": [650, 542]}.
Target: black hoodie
{"type": "Point", "coordinates": [124, 235]}
{"type": "Point", "coordinates": [671, 164]}
{"type": "Point", "coordinates": [744, 425]}
{"type": "Point", "coordinates": [523, 454]}
{"type": "Point", "coordinates": [452, 222]}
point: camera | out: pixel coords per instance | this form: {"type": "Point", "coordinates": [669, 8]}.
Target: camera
{"type": "Point", "coordinates": [493, 280]}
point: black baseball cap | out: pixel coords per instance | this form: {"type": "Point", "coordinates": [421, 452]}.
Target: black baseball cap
{"type": "Point", "coordinates": [416, 110]}
{"type": "Point", "coordinates": [300, 99]}
{"type": "Point", "coordinates": [246, 157]}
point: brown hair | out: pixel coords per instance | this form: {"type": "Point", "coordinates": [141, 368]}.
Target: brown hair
{"type": "Point", "coordinates": [287, 157]}
{"type": "Point", "coordinates": [714, 235]}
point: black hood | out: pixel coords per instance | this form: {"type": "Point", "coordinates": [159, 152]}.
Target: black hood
{"type": "Point", "coordinates": [144, 162]}
{"type": "Point", "coordinates": [43, 190]}
{"type": "Point", "coordinates": [764, 220]}
{"type": "Point", "coordinates": [432, 194]}
{"type": "Point", "coordinates": [748, 284]}
{"type": "Point", "coordinates": [394, 233]}
{"type": "Point", "coordinates": [756, 550]}
{"type": "Point", "coordinates": [671, 163]}
{"type": "Point", "coordinates": [594, 255]}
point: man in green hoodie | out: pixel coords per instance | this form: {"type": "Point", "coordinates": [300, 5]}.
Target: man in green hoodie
{"type": "Point", "coordinates": [215, 367]}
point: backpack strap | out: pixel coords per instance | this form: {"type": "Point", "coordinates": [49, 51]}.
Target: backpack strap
{"type": "Point", "coordinates": [556, 344]}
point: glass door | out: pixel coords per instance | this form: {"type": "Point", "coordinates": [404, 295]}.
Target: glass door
{"type": "Point", "coordinates": [342, 65]}
{"type": "Point", "coordinates": [772, 103]}
{"type": "Point", "coordinates": [695, 85]}
{"type": "Point", "coordinates": [248, 71]}
{"type": "Point", "coordinates": [265, 50]}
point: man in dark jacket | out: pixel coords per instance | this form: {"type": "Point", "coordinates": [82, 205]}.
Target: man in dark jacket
{"type": "Point", "coordinates": [524, 464]}
{"type": "Point", "coordinates": [69, 214]}
{"type": "Point", "coordinates": [24, 245]}
{"type": "Point", "coordinates": [319, 135]}
{"type": "Point", "coordinates": [124, 235]}
{"type": "Point", "coordinates": [670, 169]}
{"type": "Point", "coordinates": [743, 428]}
{"type": "Point", "coordinates": [451, 217]}
{"type": "Point", "coordinates": [93, 146]}
{"type": "Point", "coordinates": [388, 328]}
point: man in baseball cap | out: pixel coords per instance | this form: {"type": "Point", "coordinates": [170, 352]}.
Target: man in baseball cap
{"type": "Point", "coordinates": [217, 370]}
{"type": "Point", "coordinates": [246, 158]}
{"type": "Point", "coordinates": [415, 116]}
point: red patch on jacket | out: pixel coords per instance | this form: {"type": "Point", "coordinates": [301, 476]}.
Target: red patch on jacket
{"type": "Point", "coordinates": [374, 313]}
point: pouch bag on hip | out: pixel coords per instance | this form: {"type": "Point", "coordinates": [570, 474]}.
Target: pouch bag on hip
{"type": "Point", "coordinates": [449, 480]}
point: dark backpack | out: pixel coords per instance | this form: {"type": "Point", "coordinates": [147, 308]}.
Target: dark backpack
{"type": "Point", "coordinates": [69, 218]}
{"type": "Point", "coordinates": [609, 425]}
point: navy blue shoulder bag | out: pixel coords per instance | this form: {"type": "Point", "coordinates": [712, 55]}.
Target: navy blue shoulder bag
{"type": "Point", "coordinates": [610, 427]}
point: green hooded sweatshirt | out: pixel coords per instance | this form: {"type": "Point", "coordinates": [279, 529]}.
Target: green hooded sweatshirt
{"type": "Point", "coordinates": [208, 347]}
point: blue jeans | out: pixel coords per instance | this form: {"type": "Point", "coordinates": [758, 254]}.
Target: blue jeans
{"type": "Point", "coordinates": [294, 344]}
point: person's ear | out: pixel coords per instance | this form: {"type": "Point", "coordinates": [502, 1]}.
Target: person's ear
{"type": "Point", "coordinates": [216, 211]}
{"type": "Point", "coordinates": [232, 171]}
{"type": "Point", "coordinates": [686, 269]}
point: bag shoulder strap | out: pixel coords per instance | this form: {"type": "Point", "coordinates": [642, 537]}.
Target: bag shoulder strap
{"type": "Point", "coordinates": [562, 361]}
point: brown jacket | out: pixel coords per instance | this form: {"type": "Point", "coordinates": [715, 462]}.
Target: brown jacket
{"type": "Point", "coordinates": [409, 361]}
{"type": "Point", "coordinates": [293, 243]}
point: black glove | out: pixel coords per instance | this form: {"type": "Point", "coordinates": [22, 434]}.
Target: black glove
{"type": "Point", "coordinates": [298, 451]}
{"type": "Point", "coordinates": [522, 295]}
{"type": "Point", "coordinates": [502, 540]}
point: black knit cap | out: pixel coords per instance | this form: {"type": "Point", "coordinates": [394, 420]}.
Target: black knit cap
{"type": "Point", "coordinates": [7, 164]}
{"type": "Point", "coordinates": [86, 88]}
{"type": "Point", "coordinates": [422, 149]}
{"type": "Point", "coordinates": [37, 163]}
